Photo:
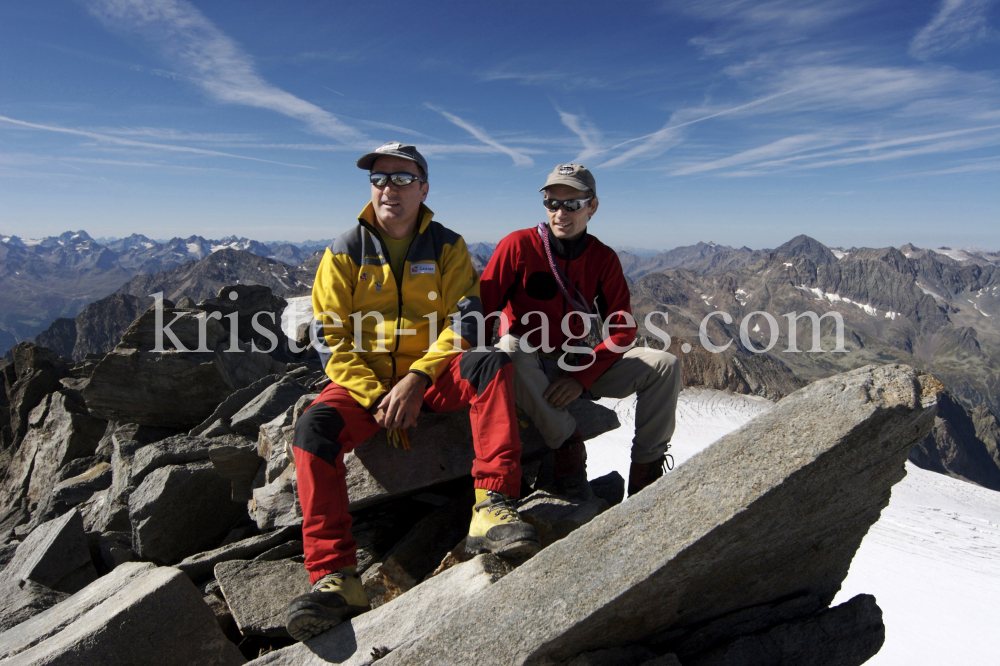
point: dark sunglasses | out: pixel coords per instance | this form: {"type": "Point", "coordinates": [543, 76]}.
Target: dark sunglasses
{"type": "Point", "coordinates": [571, 205]}
{"type": "Point", "coordinates": [398, 179]}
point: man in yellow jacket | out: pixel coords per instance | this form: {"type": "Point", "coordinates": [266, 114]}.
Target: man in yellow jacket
{"type": "Point", "coordinates": [395, 303]}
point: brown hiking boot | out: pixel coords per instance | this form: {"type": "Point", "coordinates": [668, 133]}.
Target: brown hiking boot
{"type": "Point", "coordinates": [571, 469]}
{"type": "Point", "coordinates": [641, 475]}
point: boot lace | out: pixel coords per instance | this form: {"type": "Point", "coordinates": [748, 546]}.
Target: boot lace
{"type": "Point", "coordinates": [330, 582]}
{"type": "Point", "coordinates": [504, 507]}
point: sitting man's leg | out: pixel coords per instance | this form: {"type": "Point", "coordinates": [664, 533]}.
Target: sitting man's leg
{"type": "Point", "coordinates": [330, 427]}
{"type": "Point", "coordinates": [557, 425]}
{"type": "Point", "coordinates": [483, 379]}
{"type": "Point", "coordinates": [655, 377]}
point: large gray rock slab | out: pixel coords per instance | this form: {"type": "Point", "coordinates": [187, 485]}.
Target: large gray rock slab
{"type": "Point", "coordinates": [441, 450]}
{"type": "Point", "coordinates": [554, 517]}
{"type": "Point", "coordinates": [773, 510]}
{"type": "Point", "coordinates": [108, 511]}
{"type": "Point", "coordinates": [77, 489]}
{"type": "Point", "coordinates": [271, 403]}
{"type": "Point", "coordinates": [180, 386]}
{"type": "Point", "coordinates": [847, 635]}
{"type": "Point", "coordinates": [22, 600]}
{"type": "Point", "coordinates": [398, 622]}
{"type": "Point", "coordinates": [55, 555]}
{"type": "Point", "coordinates": [238, 463]}
{"type": "Point", "coordinates": [137, 614]}
{"type": "Point", "coordinates": [199, 567]}
{"type": "Point", "coordinates": [276, 504]}
{"type": "Point", "coordinates": [258, 593]}
{"type": "Point", "coordinates": [180, 510]}
{"type": "Point", "coordinates": [234, 403]}
{"type": "Point", "coordinates": [25, 394]}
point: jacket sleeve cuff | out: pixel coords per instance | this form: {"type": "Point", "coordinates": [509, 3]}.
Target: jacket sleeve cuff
{"type": "Point", "coordinates": [426, 377]}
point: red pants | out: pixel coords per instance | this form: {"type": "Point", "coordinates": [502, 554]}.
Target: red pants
{"type": "Point", "coordinates": [335, 423]}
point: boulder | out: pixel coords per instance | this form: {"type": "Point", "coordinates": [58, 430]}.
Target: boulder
{"type": "Point", "coordinates": [234, 403]}
{"type": "Point", "coordinates": [774, 510]}
{"type": "Point", "coordinates": [247, 301]}
{"type": "Point", "coordinates": [610, 488]}
{"type": "Point", "coordinates": [25, 394]}
{"type": "Point", "coordinates": [846, 635]}
{"type": "Point", "coordinates": [179, 386]}
{"type": "Point", "coordinates": [258, 593]}
{"type": "Point", "coordinates": [60, 431]}
{"type": "Point", "coordinates": [554, 517]}
{"type": "Point", "coordinates": [176, 450]}
{"type": "Point", "coordinates": [110, 513]}
{"type": "Point", "coordinates": [199, 567]}
{"type": "Point", "coordinates": [633, 655]}
{"type": "Point", "coordinates": [137, 614]}
{"type": "Point", "coordinates": [238, 464]}
{"type": "Point", "coordinates": [55, 555]}
{"type": "Point", "coordinates": [77, 489]}
{"type": "Point", "coordinates": [276, 504]}
{"type": "Point", "coordinates": [23, 600]}
{"type": "Point", "coordinates": [441, 450]}
{"type": "Point", "coordinates": [180, 510]}
{"type": "Point", "coordinates": [398, 622]}
{"type": "Point", "coordinates": [270, 404]}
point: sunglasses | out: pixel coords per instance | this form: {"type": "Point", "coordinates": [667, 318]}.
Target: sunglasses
{"type": "Point", "coordinates": [570, 205]}
{"type": "Point", "coordinates": [398, 179]}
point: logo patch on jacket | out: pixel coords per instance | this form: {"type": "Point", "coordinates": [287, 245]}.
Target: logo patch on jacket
{"type": "Point", "coordinates": [364, 276]}
{"type": "Point", "coordinates": [421, 268]}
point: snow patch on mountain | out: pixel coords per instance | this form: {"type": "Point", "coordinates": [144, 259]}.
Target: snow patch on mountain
{"type": "Point", "coordinates": [957, 255]}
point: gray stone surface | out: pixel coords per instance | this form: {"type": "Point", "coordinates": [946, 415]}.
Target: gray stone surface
{"type": "Point", "coordinates": [233, 403]}
{"type": "Point", "coordinates": [176, 450]}
{"type": "Point", "coordinates": [55, 555]}
{"type": "Point", "coordinates": [258, 593]}
{"type": "Point", "coordinates": [137, 614]}
{"type": "Point", "coordinates": [59, 431]}
{"type": "Point", "coordinates": [238, 464]}
{"type": "Point", "coordinates": [281, 552]}
{"type": "Point", "coordinates": [397, 623]}
{"type": "Point", "coordinates": [270, 404]}
{"type": "Point", "coordinates": [76, 489]}
{"type": "Point", "coordinates": [115, 548]}
{"type": "Point", "coordinates": [275, 504]}
{"type": "Point", "coordinates": [25, 599]}
{"type": "Point", "coordinates": [610, 488]}
{"type": "Point", "coordinates": [419, 552]}
{"type": "Point", "coordinates": [174, 388]}
{"type": "Point", "coordinates": [110, 512]}
{"type": "Point", "coordinates": [199, 567]}
{"type": "Point", "coordinates": [441, 450]}
{"type": "Point", "coordinates": [554, 517]}
{"type": "Point", "coordinates": [180, 510]}
{"type": "Point", "coordinates": [775, 509]}
{"type": "Point", "coordinates": [847, 635]}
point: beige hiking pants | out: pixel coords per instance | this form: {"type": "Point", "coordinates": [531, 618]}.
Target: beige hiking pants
{"type": "Point", "coordinates": [653, 375]}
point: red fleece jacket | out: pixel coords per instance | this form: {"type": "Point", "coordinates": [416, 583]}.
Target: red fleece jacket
{"type": "Point", "coordinates": [518, 280]}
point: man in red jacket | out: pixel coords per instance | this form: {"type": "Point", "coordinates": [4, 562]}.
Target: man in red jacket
{"type": "Point", "coordinates": [554, 283]}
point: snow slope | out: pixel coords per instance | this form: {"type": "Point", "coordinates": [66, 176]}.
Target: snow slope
{"type": "Point", "coordinates": [932, 560]}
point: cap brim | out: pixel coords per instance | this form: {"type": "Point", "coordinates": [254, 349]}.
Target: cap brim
{"type": "Point", "coordinates": [367, 161]}
{"type": "Point", "coordinates": [572, 182]}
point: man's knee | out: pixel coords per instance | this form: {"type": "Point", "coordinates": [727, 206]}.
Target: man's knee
{"type": "Point", "coordinates": [666, 365]}
{"type": "Point", "coordinates": [316, 432]}
{"type": "Point", "coordinates": [481, 366]}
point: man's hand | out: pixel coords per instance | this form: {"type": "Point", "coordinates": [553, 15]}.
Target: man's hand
{"type": "Point", "coordinates": [400, 407]}
{"type": "Point", "coordinates": [563, 391]}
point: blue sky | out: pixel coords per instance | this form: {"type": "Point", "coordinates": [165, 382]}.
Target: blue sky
{"type": "Point", "coordinates": [745, 123]}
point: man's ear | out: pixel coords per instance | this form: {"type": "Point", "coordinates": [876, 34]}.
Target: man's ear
{"type": "Point", "coordinates": [593, 206]}
{"type": "Point", "coordinates": [424, 189]}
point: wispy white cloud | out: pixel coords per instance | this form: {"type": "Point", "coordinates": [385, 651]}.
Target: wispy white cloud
{"type": "Point", "coordinates": [589, 135]}
{"type": "Point", "coordinates": [958, 24]}
{"type": "Point", "coordinates": [122, 141]}
{"type": "Point", "coordinates": [662, 139]}
{"type": "Point", "coordinates": [205, 55]}
{"type": "Point", "coordinates": [780, 148]}
{"type": "Point", "coordinates": [520, 157]}
{"type": "Point", "coordinates": [563, 79]}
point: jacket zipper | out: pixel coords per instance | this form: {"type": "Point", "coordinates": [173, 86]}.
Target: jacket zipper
{"type": "Point", "coordinates": [399, 294]}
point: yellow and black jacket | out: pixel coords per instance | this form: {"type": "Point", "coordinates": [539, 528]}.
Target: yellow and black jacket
{"type": "Point", "coordinates": [354, 280]}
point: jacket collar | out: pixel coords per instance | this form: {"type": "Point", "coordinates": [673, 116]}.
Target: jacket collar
{"type": "Point", "coordinates": [424, 217]}
{"type": "Point", "coordinates": [567, 250]}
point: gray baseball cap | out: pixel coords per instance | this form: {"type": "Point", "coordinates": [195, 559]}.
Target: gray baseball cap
{"type": "Point", "coordinates": [393, 149]}
{"type": "Point", "coordinates": [576, 176]}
